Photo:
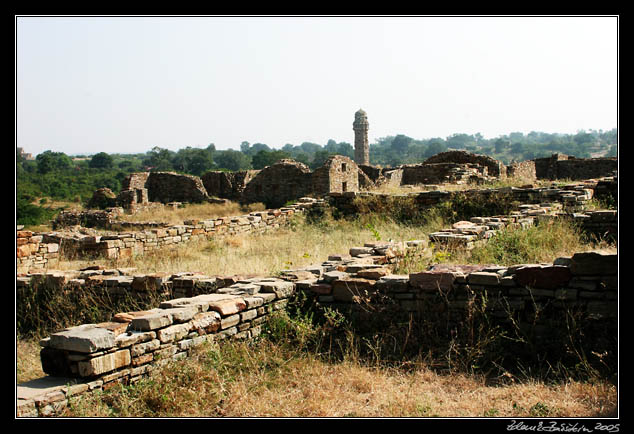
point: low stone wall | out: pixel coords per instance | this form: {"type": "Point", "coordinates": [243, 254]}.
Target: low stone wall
{"type": "Point", "coordinates": [33, 251]}
{"type": "Point", "coordinates": [123, 245]}
{"type": "Point", "coordinates": [97, 356]}
{"type": "Point", "coordinates": [560, 166]}
{"type": "Point", "coordinates": [573, 196]}
{"type": "Point", "coordinates": [588, 279]}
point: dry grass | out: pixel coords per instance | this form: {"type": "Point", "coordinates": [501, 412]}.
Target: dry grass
{"type": "Point", "coordinates": [297, 246]}
{"type": "Point", "coordinates": [193, 211]}
{"type": "Point", "coordinates": [266, 380]}
{"type": "Point", "coordinates": [29, 366]}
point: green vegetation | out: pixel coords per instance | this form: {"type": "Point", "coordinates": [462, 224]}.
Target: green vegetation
{"type": "Point", "coordinates": [57, 176]}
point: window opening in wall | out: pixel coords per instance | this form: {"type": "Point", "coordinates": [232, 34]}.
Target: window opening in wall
{"type": "Point", "coordinates": [343, 167]}
{"type": "Point", "coordinates": [344, 187]}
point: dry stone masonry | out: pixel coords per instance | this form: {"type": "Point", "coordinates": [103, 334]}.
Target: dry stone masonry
{"type": "Point", "coordinates": [31, 249]}
{"type": "Point", "coordinates": [97, 356]}
{"type": "Point", "coordinates": [34, 251]}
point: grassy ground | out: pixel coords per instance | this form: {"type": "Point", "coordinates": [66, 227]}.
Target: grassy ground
{"type": "Point", "coordinates": [293, 247]}
{"type": "Point", "coordinates": [267, 379]}
{"type": "Point", "coordinates": [282, 376]}
{"type": "Point", "coordinates": [193, 211]}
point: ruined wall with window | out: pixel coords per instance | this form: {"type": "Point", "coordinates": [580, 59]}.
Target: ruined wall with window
{"type": "Point", "coordinates": [338, 175]}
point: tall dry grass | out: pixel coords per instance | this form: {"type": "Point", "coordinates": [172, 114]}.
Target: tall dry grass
{"type": "Point", "coordinates": [296, 246]}
{"type": "Point", "coordinates": [264, 379]}
{"type": "Point", "coordinates": [191, 211]}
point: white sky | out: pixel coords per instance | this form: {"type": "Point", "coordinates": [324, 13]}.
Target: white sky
{"type": "Point", "coordinates": [126, 84]}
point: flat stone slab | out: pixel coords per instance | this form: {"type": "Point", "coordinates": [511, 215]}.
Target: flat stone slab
{"type": "Point", "coordinates": [152, 321]}
{"type": "Point", "coordinates": [42, 386]}
{"type": "Point", "coordinates": [87, 338]}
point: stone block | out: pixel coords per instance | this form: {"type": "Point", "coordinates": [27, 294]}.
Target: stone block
{"type": "Point", "coordinates": [229, 321]}
{"type": "Point", "coordinates": [152, 321]}
{"type": "Point", "coordinates": [83, 339]}
{"type": "Point", "coordinates": [173, 333]}
{"type": "Point", "coordinates": [184, 314]}
{"type": "Point", "coordinates": [543, 277]}
{"type": "Point", "coordinates": [393, 283]}
{"type": "Point", "coordinates": [282, 289]}
{"type": "Point", "coordinates": [483, 278]}
{"type": "Point", "coordinates": [373, 273]}
{"type": "Point", "coordinates": [351, 289]}
{"type": "Point", "coordinates": [228, 307]}
{"type": "Point", "coordinates": [432, 280]}
{"type": "Point", "coordinates": [105, 363]}
{"type": "Point", "coordinates": [321, 288]}
{"type": "Point", "coordinates": [206, 322]}
{"type": "Point", "coordinates": [144, 347]}
{"type": "Point", "coordinates": [595, 262]}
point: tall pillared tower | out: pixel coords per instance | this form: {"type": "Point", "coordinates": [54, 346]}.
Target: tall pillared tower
{"type": "Point", "coordinates": [361, 146]}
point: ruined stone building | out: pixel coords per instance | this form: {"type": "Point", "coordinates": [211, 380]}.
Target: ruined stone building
{"type": "Point", "coordinates": [361, 145]}
{"type": "Point", "coordinates": [140, 189]}
{"type": "Point", "coordinates": [338, 175]}
{"type": "Point", "coordinates": [228, 185]}
{"type": "Point", "coordinates": [277, 184]}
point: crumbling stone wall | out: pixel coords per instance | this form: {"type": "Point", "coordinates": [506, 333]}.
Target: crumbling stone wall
{"type": "Point", "coordinates": [560, 166]}
{"type": "Point", "coordinates": [586, 168]}
{"type": "Point", "coordinates": [443, 173]}
{"type": "Point", "coordinates": [494, 168]}
{"type": "Point", "coordinates": [573, 196]}
{"type": "Point", "coordinates": [167, 187]}
{"type": "Point", "coordinates": [95, 357]}
{"type": "Point", "coordinates": [338, 175]}
{"type": "Point", "coordinates": [34, 251]}
{"type": "Point", "coordinates": [227, 185]}
{"type": "Point", "coordinates": [523, 170]}
{"type": "Point", "coordinates": [278, 184]}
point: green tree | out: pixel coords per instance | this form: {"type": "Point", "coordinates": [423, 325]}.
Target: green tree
{"type": "Point", "coordinates": [501, 145]}
{"type": "Point", "coordinates": [266, 158]}
{"type": "Point", "coordinates": [232, 160]}
{"type": "Point", "coordinates": [434, 148]}
{"type": "Point", "coordinates": [401, 143]}
{"type": "Point", "coordinates": [319, 158]}
{"type": "Point", "coordinates": [159, 159]}
{"type": "Point", "coordinates": [49, 161]}
{"type": "Point", "coordinates": [101, 161]}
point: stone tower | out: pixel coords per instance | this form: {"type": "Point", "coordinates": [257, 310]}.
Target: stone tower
{"type": "Point", "coordinates": [361, 146]}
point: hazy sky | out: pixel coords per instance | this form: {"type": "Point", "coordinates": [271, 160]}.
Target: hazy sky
{"type": "Point", "coordinates": [126, 84]}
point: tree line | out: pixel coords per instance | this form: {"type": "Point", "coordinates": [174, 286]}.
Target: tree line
{"type": "Point", "coordinates": [59, 176]}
